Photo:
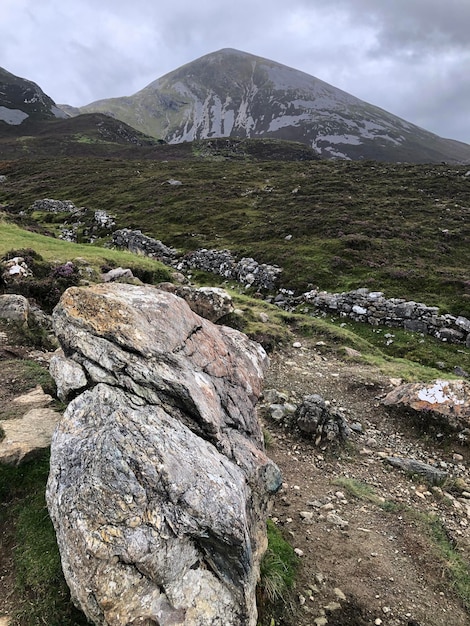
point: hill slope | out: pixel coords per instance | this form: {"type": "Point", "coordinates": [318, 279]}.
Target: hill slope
{"type": "Point", "coordinates": [235, 94]}
{"type": "Point", "coordinates": [21, 99]}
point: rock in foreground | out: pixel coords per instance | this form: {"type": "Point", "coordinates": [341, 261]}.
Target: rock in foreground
{"type": "Point", "coordinates": [159, 486]}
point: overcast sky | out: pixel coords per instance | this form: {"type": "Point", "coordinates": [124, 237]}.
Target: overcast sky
{"type": "Point", "coordinates": [410, 57]}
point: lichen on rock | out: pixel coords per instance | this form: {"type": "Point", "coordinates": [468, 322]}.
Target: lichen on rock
{"type": "Point", "coordinates": [159, 486]}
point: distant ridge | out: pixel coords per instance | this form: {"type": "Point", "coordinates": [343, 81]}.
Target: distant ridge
{"type": "Point", "coordinates": [230, 93]}
{"type": "Point", "coordinates": [21, 99]}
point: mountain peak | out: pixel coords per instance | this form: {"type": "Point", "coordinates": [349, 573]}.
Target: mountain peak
{"type": "Point", "coordinates": [232, 93]}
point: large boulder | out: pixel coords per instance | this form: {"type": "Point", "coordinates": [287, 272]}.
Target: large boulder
{"type": "Point", "coordinates": [159, 485]}
{"type": "Point", "coordinates": [444, 402]}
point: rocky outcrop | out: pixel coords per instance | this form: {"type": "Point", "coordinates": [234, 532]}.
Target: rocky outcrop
{"type": "Point", "coordinates": [442, 402]}
{"type": "Point", "coordinates": [159, 486]}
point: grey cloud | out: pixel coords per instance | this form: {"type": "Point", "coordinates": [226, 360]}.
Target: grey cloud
{"type": "Point", "coordinates": [408, 56]}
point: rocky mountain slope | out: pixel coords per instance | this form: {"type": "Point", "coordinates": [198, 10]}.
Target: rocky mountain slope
{"type": "Point", "coordinates": [230, 93]}
{"type": "Point", "coordinates": [21, 99]}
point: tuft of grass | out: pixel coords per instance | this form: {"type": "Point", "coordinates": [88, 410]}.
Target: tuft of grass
{"type": "Point", "coordinates": [278, 570]}
{"type": "Point", "coordinates": [454, 565]}
{"type": "Point", "coordinates": [363, 491]}
{"type": "Point", "coordinates": [41, 594]}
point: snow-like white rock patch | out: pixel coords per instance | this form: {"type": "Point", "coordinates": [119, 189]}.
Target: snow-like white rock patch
{"type": "Point", "coordinates": [12, 116]}
{"type": "Point", "coordinates": [439, 393]}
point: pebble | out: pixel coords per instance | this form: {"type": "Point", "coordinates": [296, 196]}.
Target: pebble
{"type": "Point", "coordinates": [332, 606]}
{"type": "Point", "coordinates": [307, 516]}
{"type": "Point", "coordinates": [296, 344]}
{"type": "Point", "coordinates": [339, 594]}
{"type": "Point", "coordinates": [334, 518]}
{"type": "Point", "coordinates": [320, 621]}
{"type": "Point", "coordinates": [299, 552]}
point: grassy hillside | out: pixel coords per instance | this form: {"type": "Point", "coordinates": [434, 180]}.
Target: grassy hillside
{"type": "Point", "coordinates": [399, 228]}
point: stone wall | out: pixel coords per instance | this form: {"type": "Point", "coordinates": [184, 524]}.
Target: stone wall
{"type": "Point", "coordinates": [362, 305]}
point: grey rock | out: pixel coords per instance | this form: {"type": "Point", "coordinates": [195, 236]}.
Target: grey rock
{"type": "Point", "coordinates": [159, 486]}
{"type": "Point", "coordinates": [14, 308]}
{"type": "Point", "coordinates": [69, 376]}
{"type": "Point", "coordinates": [139, 243]}
{"type": "Point", "coordinates": [426, 471]}
{"type": "Point", "coordinates": [315, 419]}
{"type": "Point", "coordinates": [118, 273]}
{"type": "Point", "coordinates": [213, 303]}
{"type": "Point", "coordinates": [463, 323]}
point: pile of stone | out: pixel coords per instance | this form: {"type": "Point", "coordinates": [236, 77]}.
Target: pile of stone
{"type": "Point", "coordinates": [15, 268]}
{"type": "Point", "coordinates": [246, 271]}
{"type": "Point", "coordinates": [53, 206]}
{"type": "Point", "coordinates": [371, 307]}
{"type": "Point", "coordinates": [313, 417]}
{"type": "Point", "coordinates": [138, 243]}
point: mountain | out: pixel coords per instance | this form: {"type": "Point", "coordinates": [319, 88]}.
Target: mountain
{"type": "Point", "coordinates": [235, 94]}
{"type": "Point", "coordinates": [21, 99]}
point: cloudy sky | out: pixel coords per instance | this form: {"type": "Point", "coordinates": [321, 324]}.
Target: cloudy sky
{"type": "Point", "coordinates": [410, 57]}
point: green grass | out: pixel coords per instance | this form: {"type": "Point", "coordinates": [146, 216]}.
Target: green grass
{"type": "Point", "coordinates": [363, 491]}
{"type": "Point", "coordinates": [58, 251]}
{"type": "Point", "coordinates": [41, 595]}
{"type": "Point", "coordinates": [278, 571]}
{"type": "Point", "coordinates": [454, 565]}
{"type": "Point", "coordinates": [398, 228]}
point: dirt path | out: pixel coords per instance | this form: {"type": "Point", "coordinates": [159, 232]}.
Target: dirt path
{"type": "Point", "coordinates": [364, 561]}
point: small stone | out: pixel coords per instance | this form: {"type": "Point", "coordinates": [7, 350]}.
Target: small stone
{"type": "Point", "coordinates": [356, 427]}
{"type": "Point", "coordinates": [336, 520]}
{"type": "Point", "coordinates": [340, 495]}
{"type": "Point", "coordinates": [299, 552]}
{"type": "Point", "coordinates": [332, 606]}
{"type": "Point", "coordinates": [339, 594]}
{"type": "Point", "coordinates": [296, 344]}
{"type": "Point", "coordinates": [328, 507]}
{"type": "Point", "coordinates": [320, 621]}
{"type": "Point", "coordinates": [458, 458]}
{"type": "Point", "coordinates": [386, 609]}
{"type": "Point", "coordinates": [378, 622]}
{"type": "Point", "coordinates": [264, 317]}
{"type": "Point", "coordinates": [306, 515]}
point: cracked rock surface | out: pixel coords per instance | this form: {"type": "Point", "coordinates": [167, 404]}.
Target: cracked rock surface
{"type": "Point", "coordinates": [159, 486]}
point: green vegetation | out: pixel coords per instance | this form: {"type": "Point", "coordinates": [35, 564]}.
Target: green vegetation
{"type": "Point", "coordinates": [277, 575]}
{"type": "Point", "coordinates": [398, 228]}
{"type": "Point", "coordinates": [363, 491]}
{"type": "Point", "coordinates": [41, 595]}
{"type": "Point", "coordinates": [454, 566]}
